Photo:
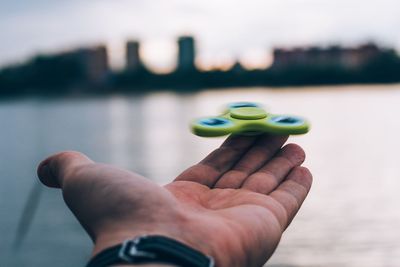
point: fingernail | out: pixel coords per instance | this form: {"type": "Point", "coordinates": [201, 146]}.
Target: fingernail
{"type": "Point", "coordinates": [46, 175]}
{"type": "Point", "coordinates": [44, 172]}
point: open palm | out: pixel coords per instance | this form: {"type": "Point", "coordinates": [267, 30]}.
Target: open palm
{"type": "Point", "coordinates": [233, 205]}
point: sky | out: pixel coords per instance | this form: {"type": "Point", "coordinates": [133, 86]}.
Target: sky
{"type": "Point", "coordinates": [225, 30]}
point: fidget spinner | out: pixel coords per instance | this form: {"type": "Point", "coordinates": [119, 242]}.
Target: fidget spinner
{"type": "Point", "coordinates": [250, 119]}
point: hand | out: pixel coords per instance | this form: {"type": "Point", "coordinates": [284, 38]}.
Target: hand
{"type": "Point", "coordinates": [234, 205]}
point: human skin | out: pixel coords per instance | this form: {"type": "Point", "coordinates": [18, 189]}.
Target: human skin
{"type": "Point", "coordinates": [234, 205]}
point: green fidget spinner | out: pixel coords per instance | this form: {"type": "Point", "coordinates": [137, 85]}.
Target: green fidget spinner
{"type": "Point", "coordinates": [249, 118]}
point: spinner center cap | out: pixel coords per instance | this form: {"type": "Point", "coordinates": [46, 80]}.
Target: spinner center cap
{"type": "Point", "coordinates": [248, 113]}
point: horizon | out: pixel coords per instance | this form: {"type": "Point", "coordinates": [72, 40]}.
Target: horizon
{"type": "Point", "coordinates": [246, 31]}
{"type": "Point", "coordinates": [266, 64]}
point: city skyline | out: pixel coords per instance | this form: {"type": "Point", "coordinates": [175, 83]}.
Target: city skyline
{"type": "Point", "coordinates": [88, 67]}
{"type": "Point", "coordinates": [247, 30]}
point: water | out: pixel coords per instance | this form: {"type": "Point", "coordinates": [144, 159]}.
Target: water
{"type": "Point", "coordinates": [351, 217]}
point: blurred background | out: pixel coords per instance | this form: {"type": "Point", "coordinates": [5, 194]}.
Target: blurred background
{"type": "Point", "coordinates": [121, 80]}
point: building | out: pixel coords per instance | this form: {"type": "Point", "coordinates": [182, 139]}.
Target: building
{"type": "Point", "coordinates": [358, 57]}
{"type": "Point", "coordinates": [334, 56]}
{"type": "Point", "coordinates": [132, 56]}
{"type": "Point", "coordinates": [94, 61]}
{"type": "Point", "coordinates": [186, 54]}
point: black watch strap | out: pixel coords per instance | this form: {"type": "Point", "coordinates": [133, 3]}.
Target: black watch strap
{"type": "Point", "coordinates": [151, 249]}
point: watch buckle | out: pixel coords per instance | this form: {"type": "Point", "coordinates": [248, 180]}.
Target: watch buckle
{"type": "Point", "coordinates": [130, 253]}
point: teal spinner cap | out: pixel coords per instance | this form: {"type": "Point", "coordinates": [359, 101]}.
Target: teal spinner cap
{"type": "Point", "coordinates": [249, 118]}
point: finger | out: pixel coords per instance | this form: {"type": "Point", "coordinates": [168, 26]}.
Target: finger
{"type": "Point", "coordinates": [53, 170]}
{"type": "Point", "coordinates": [267, 178]}
{"type": "Point", "coordinates": [219, 161]}
{"type": "Point", "coordinates": [264, 149]}
{"type": "Point", "coordinates": [292, 192]}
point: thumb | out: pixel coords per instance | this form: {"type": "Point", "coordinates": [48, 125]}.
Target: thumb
{"type": "Point", "coordinates": [55, 169]}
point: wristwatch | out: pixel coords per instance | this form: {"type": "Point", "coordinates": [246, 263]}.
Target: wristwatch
{"type": "Point", "coordinates": [151, 249]}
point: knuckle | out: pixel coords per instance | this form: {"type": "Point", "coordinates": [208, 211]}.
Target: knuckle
{"type": "Point", "coordinates": [67, 155]}
{"type": "Point", "coordinates": [64, 164]}
{"type": "Point", "coordinates": [73, 171]}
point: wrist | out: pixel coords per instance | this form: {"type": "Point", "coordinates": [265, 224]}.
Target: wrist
{"type": "Point", "coordinates": [110, 236]}
{"type": "Point", "coordinates": [189, 237]}
{"type": "Point", "coordinates": [147, 249]}
{"type": "Point", "coordinates": [106, 241]}
{"type": "Point", "coordinates": [147, 265]}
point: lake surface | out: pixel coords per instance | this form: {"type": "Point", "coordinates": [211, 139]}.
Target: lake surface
{"type": "Point", "coordinates": [350, 219]}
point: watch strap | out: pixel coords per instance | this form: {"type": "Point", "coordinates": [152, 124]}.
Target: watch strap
{"type": "Point", "coordinates": [151, 249]}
